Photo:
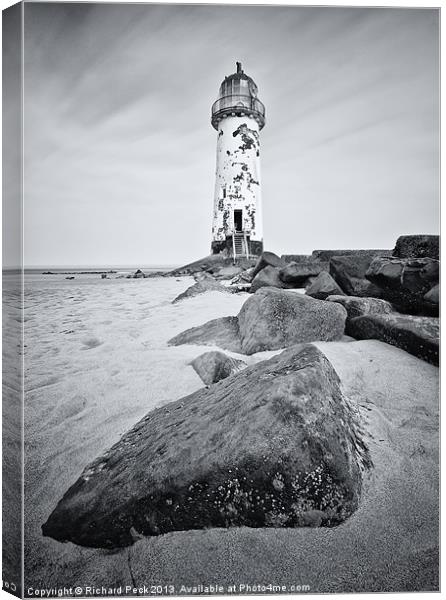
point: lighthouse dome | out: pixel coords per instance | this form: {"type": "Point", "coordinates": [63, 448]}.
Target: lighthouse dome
{"type": "Point", "coordinates": [238, 97]}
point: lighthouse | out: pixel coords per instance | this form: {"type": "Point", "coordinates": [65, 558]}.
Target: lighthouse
{"type": "Point", "coordinates": [238, 116]}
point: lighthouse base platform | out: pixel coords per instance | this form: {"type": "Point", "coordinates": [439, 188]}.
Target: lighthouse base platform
{"type": "Point", "coordinates": [227, 247]}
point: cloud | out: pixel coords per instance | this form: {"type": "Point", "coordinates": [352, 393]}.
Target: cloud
{"type": "Point", "coordinates": [120, 153]}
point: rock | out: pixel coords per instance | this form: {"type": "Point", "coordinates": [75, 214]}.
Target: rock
{"type": "Point", "coordinates": [246, 276]}
{"type": "Point", "coordinates": [103, 275]}
{"type": "Point", "coordinates": [204, 276]}
{"type": "Point", "coordinates": [243, 278]}
{"type": "Point", "coordinates": [268, 277]}
{"type": "Point", "coordinates": [323, 286]}
{"type": "Point", "coordinates": [277, 445]}
{"type": "Point", "coordinates": [349, 273]}
{"type": "Point", "coordinates": [308, 282]}
{"type": "Point", "coordinates": [214, 366]}
{"type": "Point", "coordinates": [273, 319]}
{"type": "Point", "coordinates": [417, 335]}
{"type": "Point", "coordinates": [228, 272]}
{"type": "Point", "coordinates": [205, 284]}
{"type": "Point", "coordinates": [358, 307]}
{"type": "Point", "coordinates": [298, 258]}
{"type": "Point", "coordinates": [212, 264]}
{"type": "Point", "coordinates": [404, 281]}
{"type": "Point", "coordinates": [267, 259]}
{"type": "Point", "coordinates": [297, 274]}
{"type": "Point", "coordinates": [433, 296]}
{"type": "Point", "coordinates": [418, 246]}
{"type": "Point", "coordinates": [327, 255]}
{"type": "Point", "coordinates": [240, 287]}
{"type": "Point", "coordinates": [138, 274]}
{"type": "Point", "coordinates": [222, 332]}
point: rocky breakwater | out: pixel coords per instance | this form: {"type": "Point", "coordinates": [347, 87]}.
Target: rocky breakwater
{"type": "Point", "coordinates": [400, 289]}
{"type": "Point", "coordinates": [403, 304]}
{"type": "Point", "coordinates": [347, 270]}
{"type": "Point", "coordinates": [277, 445]}
{"type": "Point", "coordinates": [271, 319]}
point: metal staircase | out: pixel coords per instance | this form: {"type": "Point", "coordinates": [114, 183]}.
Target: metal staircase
{"type": "Point", "coordinates": [240, 244]}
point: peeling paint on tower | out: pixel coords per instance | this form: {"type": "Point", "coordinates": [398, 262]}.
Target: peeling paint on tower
{"type": "Point", "coordinates": [238, 116]}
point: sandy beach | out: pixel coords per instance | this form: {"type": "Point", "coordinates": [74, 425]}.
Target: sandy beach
{"type": "Point", "coordinates": [98, 360]}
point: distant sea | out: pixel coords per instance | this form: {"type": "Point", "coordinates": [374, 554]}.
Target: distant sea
{"type": "Point", "coordinates": [70, 269]}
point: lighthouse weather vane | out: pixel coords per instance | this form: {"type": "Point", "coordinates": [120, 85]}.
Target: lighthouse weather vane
{"type": "Point", "coordinates": [238, 116]}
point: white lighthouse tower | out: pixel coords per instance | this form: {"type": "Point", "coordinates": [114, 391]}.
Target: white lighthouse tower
{"type": "Point", "coordinates": [238, 116]}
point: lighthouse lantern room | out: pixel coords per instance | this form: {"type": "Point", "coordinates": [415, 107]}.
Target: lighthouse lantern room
{"type": "Point", "coordinates": [238, 116]}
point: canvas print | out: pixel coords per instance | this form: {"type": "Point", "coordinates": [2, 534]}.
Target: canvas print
{"type": "Point", "coordinates": [220, 299]}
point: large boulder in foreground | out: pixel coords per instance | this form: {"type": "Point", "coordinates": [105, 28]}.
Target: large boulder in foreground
{"type": "Point", "coordinates": [277, 445]}
{"type": "Point", "coordinates": [222, 332]}
{"type": "Point", "coordinates": [404, 281]}
{"type": "Point", "coordinates": [417, 335]}
{"type": "Point", "coordinates": [272, 319]}
{"type": "Point", "coordinates": [212, 367]}
{"type": "Point", "coordinates": [268, 277]}
{"type": "Point", "coordinates": [267, 259]}
{"type": "Point", "coordinates": [323, 286]}
{"type": "Point", "coordinates": [418, 246]}
{"type": "Point", "coordinates": [349, 273]}
{"type": "Point", "coordinates": [297, 273]}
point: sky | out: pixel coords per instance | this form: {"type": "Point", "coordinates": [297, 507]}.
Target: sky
{"type": "Point", "coordinates": [120, 153]}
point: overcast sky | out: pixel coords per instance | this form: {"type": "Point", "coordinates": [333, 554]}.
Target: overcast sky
{"type": "Point", "coordinates": [120, 152]}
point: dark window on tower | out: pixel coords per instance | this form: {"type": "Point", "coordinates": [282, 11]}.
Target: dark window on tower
{"type": "Point", "coordinates": [224, 192]}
